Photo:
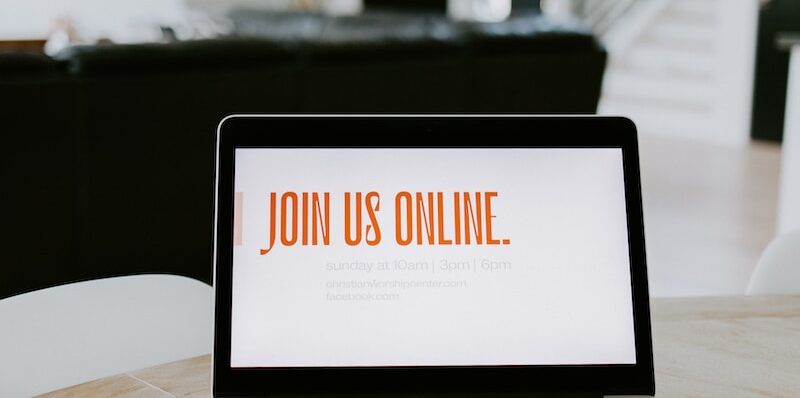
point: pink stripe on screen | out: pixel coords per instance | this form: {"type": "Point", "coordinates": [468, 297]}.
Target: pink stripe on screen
{"type": "Point", "coordinates": [237, 218]}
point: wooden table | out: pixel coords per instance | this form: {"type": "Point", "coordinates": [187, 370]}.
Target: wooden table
{"type": "Point", "coordinates": [29, 45]}
{"type": "Point", "coordinates": [704, 347]}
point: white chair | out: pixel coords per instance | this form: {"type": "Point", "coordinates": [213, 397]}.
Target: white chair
{"type": "Point", "coordinates": [70, 334]}
{"type": "Point", "coordinates": [778, 269]}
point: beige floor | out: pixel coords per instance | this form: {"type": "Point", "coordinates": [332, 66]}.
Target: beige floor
{"type": "Point", "coordinates": [709, 212]}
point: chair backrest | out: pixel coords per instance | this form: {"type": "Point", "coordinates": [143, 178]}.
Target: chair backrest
{"type": "Point", "coordinates": [778, 269]}
{"type": "Point", "coordinates": [66, 335]}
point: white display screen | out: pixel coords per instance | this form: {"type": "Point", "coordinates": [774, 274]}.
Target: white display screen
{"type": "Point", "coordinates": [430, 257]}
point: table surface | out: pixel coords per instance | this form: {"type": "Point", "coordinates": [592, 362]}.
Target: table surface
{"type": "Point", "coordinates": [703, 347]}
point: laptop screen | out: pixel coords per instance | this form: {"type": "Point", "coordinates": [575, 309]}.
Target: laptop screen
{"type": "Point", "coordinates": [377, 257]}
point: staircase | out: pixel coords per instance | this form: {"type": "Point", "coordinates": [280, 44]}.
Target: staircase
{"type": "Point", "coordinates": [670, 73]}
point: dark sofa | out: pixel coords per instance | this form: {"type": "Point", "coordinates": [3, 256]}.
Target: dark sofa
{"type": "Point", "coordinates": [109, 149]}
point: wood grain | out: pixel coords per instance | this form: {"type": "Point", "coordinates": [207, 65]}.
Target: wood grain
{"type": "Point", "coordinates": [703, 347]}
{"type": "Point", "coordinates": [188, 378]}
{"type": "Point", "coordinates": [120, 386]}
{"type": "Point", "coordinates": [727, 347]}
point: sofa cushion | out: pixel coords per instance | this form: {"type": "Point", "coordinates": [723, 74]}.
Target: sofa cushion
{"type": "Point", "coordinates": [171, 57]}
{"type": "Point", "coordinates": [18, 63]}
{"type": "Point", "coordinates": [525, 34]}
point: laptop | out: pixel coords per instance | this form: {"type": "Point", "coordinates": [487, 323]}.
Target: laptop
{"type": "Point", "coordinates": [509, 262]}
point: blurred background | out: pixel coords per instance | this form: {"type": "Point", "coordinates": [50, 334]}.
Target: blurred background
{"type": "Point", "coordinates": [109, 110]}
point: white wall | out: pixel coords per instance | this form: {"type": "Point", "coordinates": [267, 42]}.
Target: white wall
{"type": "Point", "coordinates": [115, 19]}
{"type": "Point", "coordinates": [132, 20]}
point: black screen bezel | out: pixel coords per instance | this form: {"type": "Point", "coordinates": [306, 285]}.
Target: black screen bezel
{"type": "Point", "coordinates": [393, 131]}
